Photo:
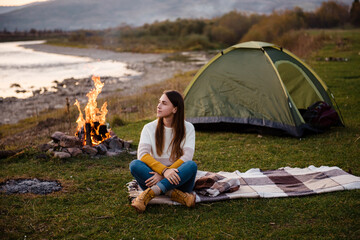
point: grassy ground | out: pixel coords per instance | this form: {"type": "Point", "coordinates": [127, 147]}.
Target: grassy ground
{"type": "Point", "coordinates": [94, 205]}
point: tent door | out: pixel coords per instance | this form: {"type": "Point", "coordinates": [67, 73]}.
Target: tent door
{"type": "Point", "coordinates": [301, 89]}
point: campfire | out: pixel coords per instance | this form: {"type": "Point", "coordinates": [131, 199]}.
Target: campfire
{"type": "Point", "coordinates": [93, 129]}
{"type": "Point", "coordinates": [93, 136]}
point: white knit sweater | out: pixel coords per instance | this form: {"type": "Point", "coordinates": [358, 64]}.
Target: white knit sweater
{"type": "Point", "coordinates": [147, 143]}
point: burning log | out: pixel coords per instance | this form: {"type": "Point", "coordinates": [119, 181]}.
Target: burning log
{"type": "Point", "coordinates": [95, 126]}
{"type": "Point", "coordinates": [103, 131]}
{"type": "Point", "coordinates": [88, 134]}
{"type": "Point", "coordinates": [93, 134]}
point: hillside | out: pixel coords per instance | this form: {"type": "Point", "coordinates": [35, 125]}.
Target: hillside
{"type": "Point", "coordinates": [93, 14]}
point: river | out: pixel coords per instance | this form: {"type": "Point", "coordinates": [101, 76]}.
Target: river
{"type": "Point", "coordinates": [24, 71]}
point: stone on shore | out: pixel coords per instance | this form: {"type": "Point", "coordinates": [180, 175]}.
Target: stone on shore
{"type": "Point", "coordinates": [70, 141]}
{"type": "Point", "coordinates": [56, 136]}
{"type": "Point", "coordinates": [101, 149]}
{"type": "Point", "coordinates": [44, 147]}
{"type": "Point", "coordinates": [64, 146]}
{"type": "Point", "coordinates": [90, 150]}
{"type": "Point", "coordinates": [62, 155]}
{"type": "Point", "coordinates": [115, 144]}
{"type": "Point", "coordinates": [127, 144]}
{"type": "Point", "coordinates": [74, 151]}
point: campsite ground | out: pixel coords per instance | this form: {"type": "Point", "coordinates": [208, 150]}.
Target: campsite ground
{"type": "Point", "coordinates": [94, 201]}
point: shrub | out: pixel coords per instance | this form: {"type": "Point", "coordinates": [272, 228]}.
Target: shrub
{"type": "Point", "coordinates": [273, 26]}
{"type": "Point", "coordinates": [196, 42]}
{"type": "Point", "coordinates": [301, 43]}
{"type": "Point", "coordinates": [117, 121]}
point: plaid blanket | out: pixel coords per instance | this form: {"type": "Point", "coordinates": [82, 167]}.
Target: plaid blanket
{"type": "Point", "coordinates": [255, 183]}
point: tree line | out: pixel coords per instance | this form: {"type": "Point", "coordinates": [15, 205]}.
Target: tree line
{"type": "Point", "coordinates": [235, 27]}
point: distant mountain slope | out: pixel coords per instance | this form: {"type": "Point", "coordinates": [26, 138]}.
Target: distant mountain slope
{"type": "Point", "coordinates": [96, 14]}
{"type": "Point", "coordinates": [7, 9]}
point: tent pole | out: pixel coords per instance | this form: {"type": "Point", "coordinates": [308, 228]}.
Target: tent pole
{"type": "Point", "coordinates": [342, 119]}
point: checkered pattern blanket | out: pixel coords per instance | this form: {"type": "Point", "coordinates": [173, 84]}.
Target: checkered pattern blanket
{"type": "Point", "coordinates": [255, 183]}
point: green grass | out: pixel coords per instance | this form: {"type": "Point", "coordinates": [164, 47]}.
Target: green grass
{"type": "Point", "coordinates": [94, 204]}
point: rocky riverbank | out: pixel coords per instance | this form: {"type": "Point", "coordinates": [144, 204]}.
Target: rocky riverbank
{"type": "Point", "coordinates": [152, 67]}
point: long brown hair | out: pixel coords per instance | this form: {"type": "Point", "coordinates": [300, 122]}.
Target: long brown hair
{"type": "Point", "coordinates": [178, 127]}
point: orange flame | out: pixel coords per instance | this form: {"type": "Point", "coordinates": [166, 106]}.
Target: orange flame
{"type": "Point", "coordinates": [80, 121]}
{"type": "Point", "coordinates": [93, 115]}
{"type": "Point", "coordinates": [91, 110]}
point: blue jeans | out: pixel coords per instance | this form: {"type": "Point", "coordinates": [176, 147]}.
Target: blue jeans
{"type": "Point", "coordinates": [187, 174]}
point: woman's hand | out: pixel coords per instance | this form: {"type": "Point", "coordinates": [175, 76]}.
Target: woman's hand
{"type": "Point", "coordinates": [154, 179]}
{"type": "Point", "coordinates": [171, 175]}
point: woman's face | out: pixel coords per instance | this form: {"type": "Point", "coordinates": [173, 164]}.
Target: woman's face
{"type": "Point", "coordinates": [165, 108]}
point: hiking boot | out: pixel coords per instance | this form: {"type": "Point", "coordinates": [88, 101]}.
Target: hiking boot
{"type": "Point", "coordinates": [187, 199]}
{"type": "Point", "coordinates": [142, 200]}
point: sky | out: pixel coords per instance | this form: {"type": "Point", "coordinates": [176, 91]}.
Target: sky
{"type": "Point", "coordinates": [18, 2]}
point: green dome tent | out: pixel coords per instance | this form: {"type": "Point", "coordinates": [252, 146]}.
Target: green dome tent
{"type": "Point", "coordinates": [255, 84]}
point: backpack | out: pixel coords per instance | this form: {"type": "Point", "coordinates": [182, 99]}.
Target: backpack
{"type": "Point", "coordinates": [321, 115]}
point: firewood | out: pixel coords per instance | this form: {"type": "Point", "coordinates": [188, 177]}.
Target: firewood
{"type": "Point", "coordinates": [88, 134]}
{"type": "Point", "coordinates": [103, 131]}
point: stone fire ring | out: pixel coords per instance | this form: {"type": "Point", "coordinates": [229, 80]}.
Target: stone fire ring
{"type": "Point", "coordinates": [35, 186]}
